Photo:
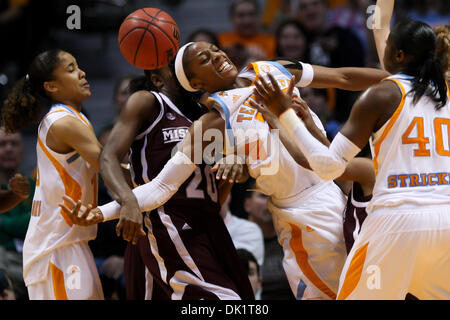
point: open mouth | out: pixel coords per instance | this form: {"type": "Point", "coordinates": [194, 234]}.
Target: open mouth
{"type": "Point", "coordinates": [225, 66]}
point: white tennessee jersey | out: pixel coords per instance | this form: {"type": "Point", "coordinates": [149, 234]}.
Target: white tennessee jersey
{"type": "Point", "coordinates": [57, 175]}
{"type": "Point", "coordinates": [269, 162]}
{"type": "Point", "coordinates": [412, 153]}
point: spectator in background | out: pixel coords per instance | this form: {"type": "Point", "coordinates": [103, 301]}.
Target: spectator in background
{"type": "Point", "coordinates": [121, 92]}
{"type": "Point", "coordinates": [245, 234]}
{"type": "Point", "coordinates": [354, 16]}
{"type": "Point", "coordinates": [252, 267]}
{"type": "Point", "coordinates": [275, 285]}
{"type": "Point", "coordinates": [6, 287]}
{"type": "Point", "coordinates": [246, 43]}
{"type": "Point", "coordinates": [291, 41]}
{"type": "Point", "coordinates": [14, 223]}
{"type": "Point", "coordinates": [433, 12]}
{"type": "Point", "coordinates": [203, 34]}
{"type": "Point", "coordinates": [331, 46]}
{"type": "Point", "coordinates": [317, 100]}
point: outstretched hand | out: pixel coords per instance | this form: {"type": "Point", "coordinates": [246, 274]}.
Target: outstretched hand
{"type": "Point", "coordinates": [80, 214]}
{"type": "Point", "coordinates": [271, 96]}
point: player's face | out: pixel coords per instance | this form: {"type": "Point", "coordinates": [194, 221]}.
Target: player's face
{"type": "Point", "coordinates": [11, 151]}
{"type": "Point", "coordinates": [292, 42]}
{"type": "Point", "coordinates": [69, 82]}
{"type": "Point", "coordinates": [211, 68]}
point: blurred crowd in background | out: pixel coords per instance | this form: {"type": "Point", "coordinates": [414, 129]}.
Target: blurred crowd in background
{"type": "Point", "coordinates": [332, 33]}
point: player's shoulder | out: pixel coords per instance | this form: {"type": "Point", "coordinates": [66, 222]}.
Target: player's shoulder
{"type": "Point", "coordinates": [141, 104]}
{"type": "Point", "coordinates": [382, 95]}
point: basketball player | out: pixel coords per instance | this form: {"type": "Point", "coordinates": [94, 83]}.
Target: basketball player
{"type": "Point", "coordinates": [188, 251]}
{"type": "Point", "coordinates": [357, 181]}
{"type": "Point", "coordinates": [58, 263]}
{"type": "Point", "coordinates": [209, 69]}
{"type": "Point", "coordinates": [404, 242]}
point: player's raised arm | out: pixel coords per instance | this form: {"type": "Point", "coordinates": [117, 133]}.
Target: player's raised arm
{"type": "Point", "coordinates": [347, 78]}
{"type": "Point", "coordinates": [381, 26]}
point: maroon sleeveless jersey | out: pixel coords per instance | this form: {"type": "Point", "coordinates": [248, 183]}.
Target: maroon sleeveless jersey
{"type": "Point", "coordinates": [355, 214]}
{"type": "Point", "coordinates": [152, 149]}
{"type": "Point", "coordinates": [186, 235]}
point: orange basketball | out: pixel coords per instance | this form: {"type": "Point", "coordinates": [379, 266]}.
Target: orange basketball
{"type": "Point", "coordinates": [149, 38]}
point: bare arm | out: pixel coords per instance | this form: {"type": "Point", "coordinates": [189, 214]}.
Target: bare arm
{"type": "Point", "coordinates": [140, 108]}
{"type": "Point", "coordinates": [71, 134]}
{"type": "Point", "coordinates": [348, 78]}
{"type": "Point", "coordinates": [382, 26]}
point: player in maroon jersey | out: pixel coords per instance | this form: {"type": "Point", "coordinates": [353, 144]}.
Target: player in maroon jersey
{"type": "Point", "coordinates": [188, 253]}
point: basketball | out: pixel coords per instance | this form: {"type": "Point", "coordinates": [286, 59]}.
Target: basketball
{"type": "Point", "coordinates": [149, 38]}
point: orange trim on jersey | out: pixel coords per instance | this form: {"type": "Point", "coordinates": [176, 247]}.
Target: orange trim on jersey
{"type": "Point", "coordinates": [79, 114]}
{"type": "Point", "coordinates": [301, 256]}
{"type": "Point", "coordinates": [59, 288]}
{"type": "Point", "coordinates": [390, 124]}
{"type": "Point", "coordinates": [72, 188]}
{"type": "Point", "coordinates": [354, 272]}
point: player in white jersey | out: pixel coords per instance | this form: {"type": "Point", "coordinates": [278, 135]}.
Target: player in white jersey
{"type": "Point", "coordinates": [57, 261]}
{"type": "Point", "coordinates": [312, 237]}
{"type": "Point", "coordinates": [403, 246]}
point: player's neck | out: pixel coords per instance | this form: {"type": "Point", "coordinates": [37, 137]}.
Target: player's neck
{"type": "Point", "coordinates": [73, 104]}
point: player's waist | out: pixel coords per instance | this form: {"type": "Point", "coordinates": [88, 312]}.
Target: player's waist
{"type": "Point", "coordinates": [300, 196]}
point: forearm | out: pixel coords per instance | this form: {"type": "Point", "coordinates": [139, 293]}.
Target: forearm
{"type": "Point", "coordinates": [114, 178]}
{"type": "Point", "coordinates": [158, 191]}
{"type": "Point", "coordinates": [8, 200]}
{"type": "Point", "coordinates": [382, 26]}
{"type": "Point", "coordinates": [327, 162]}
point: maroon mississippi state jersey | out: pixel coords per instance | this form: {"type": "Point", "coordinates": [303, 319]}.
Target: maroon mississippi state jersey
{"type": "Point", "coordinates": [355, 214]}
{"type": "Point", "coordinates": [152, 149]}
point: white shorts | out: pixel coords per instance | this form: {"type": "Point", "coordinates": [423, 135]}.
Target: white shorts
{"type": "Point", "coordinates": [72, 275]}
{"type": "Point", "coordinates": [311, 233]}
{"type": "Point", "coordinates": [399, 253]}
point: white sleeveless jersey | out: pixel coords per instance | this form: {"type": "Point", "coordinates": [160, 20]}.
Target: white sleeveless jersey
{"type": "Point", "coordinates": [269, 162]}
{"type": "Point", "coordinates": [58, 174]}
{"type": "Point", "coordinates": [412, 153]}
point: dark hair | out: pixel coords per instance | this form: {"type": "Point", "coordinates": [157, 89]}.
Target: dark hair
{"type": "Point", "coordinates": [299, 27]}
{"type": "Point", "coordinates": [208, 32]}
{"type": "Point", "coordinates": [28, 97]}
{"type": "Point", "coordinates": [418, 41]}
{"type": "Point", "coordinates": [245, 257]}
{"type": "Point", "coordinates": [235, 3]}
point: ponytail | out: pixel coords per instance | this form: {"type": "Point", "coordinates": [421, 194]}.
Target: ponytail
{"type": "Point", "coordinates": [22, 106]}
{"type": "Point", "coordinates": [27, 98]}
{"type": "Point", "coordinates": [418, 41]}
{"type": "Point", "coordinates": [431, 74]}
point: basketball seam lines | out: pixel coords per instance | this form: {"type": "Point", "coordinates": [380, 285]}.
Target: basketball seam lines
{"type": "Point", "coordinates": [156, 26]}
{"type": "Point", "coordinates": [160, 20]}
{"type": "Point", "coordinates": [140, 42]}
{"type": "Point", "coordinates": [135, 28]}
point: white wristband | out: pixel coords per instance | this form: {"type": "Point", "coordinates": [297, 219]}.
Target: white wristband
{"type": "Point", "coordinates": [289, 119]}
{"type": "Point", "coordinates": [307, 75]}
{"type": "Point", "coordinates": [110, 211]}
